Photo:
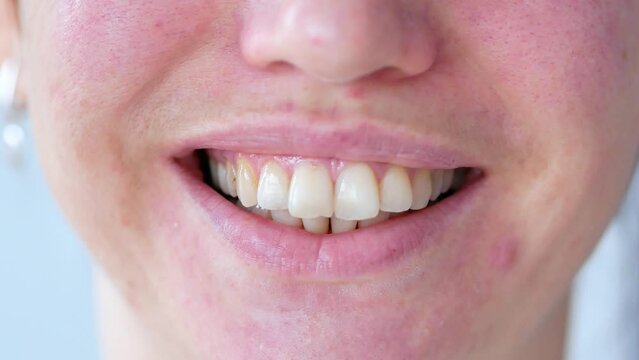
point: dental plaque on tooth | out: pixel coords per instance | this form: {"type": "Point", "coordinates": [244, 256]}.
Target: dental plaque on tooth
{"type": "Point", "coordinates": [326, 196]}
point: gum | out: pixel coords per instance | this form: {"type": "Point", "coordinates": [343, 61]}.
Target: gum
{"type": "Point", "coordinates": [289, 163]}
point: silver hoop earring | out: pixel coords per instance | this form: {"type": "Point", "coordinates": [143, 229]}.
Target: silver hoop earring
{"type": "Point", "coordinates": [12, 115]}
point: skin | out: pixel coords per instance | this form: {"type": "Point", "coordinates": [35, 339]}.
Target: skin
{"type": "Point", "coordinates": [543, 92]}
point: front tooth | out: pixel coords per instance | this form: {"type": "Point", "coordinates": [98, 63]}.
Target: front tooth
{"type": "Point", "coordinates": [356, 193]}
{"type": "Point", "coordinates": [231, 179]}
{"type": "Point", "coordinates": [318, 225]}
{"type": "Point", "coordinates": [447, 180]}
{"type": "Point", "coordinates": [382, 216]}
{"type": "Point", "coordinates": [395, 190]}
{"type": "Point", "coordinates": [340, 225]}
{"type": "Point", "coordinates": [272, 192]}
{"type": "Point", "coordinates": [422, 188]}
{"type": "Point", "coordinates": [311, 192]}
{"type": "Point", "coordinates": [437, 178]}
{"type": "Point", "coordinates": [246, 183]}
{"type": "Point", "coordinates": [284, 217]}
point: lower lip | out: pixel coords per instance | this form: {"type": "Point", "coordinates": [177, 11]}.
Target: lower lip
{"type": "Point", "coordinates": [292, 251]}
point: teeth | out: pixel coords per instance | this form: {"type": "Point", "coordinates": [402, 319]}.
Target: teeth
{"type": "Point", "coordinates": [222, 178]}
{"type": "Point", "coordinates": [246, 184]}
{"type": "Point", "coordinates": [213, 167]}
{"type": "Point", "coordinates": [318, 225]}
{"type": "Point", "coordinates": [284, 217]}
{"type": "Point", "coordinates": [382, 216]}
{"type": "Point", "coordinates": [261, 212]}
{"type": "Point", "coordinates": [422, 187]}
{"type": "Point", "coordinates": [437, 178]}
{"type": "Point", "coordinates": [309, 199]}
{"type": "Point", "coordinates": [356, 193]}
{"type": "Point", "coordinates": [447, 180]}
{"type": "Point", "coordinates": [339, 225]}
{"type": "Point", "coordinates": [311, 192]}
{"type": "Point", "coordinates": [231, 179]}
{"type": "Point", "coordinates": [395, 190]}
{"type": "Point", "coordinates": [272, 191]}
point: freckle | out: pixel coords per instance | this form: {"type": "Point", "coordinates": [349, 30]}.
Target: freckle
{"type": "Point", "coordinates": [504, 255]}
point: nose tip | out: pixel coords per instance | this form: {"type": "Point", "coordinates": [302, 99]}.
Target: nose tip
{"type": "Point", "coordinates": [339, 40]}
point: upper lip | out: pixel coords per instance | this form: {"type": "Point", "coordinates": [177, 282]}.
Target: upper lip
{"type": "Point", "coordinates": [294, 135]}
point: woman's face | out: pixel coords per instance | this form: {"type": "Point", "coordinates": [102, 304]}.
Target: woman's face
{"type": "Point", "coordinates": [539, 98]}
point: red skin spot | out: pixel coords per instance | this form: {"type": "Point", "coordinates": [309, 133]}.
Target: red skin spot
{"type": "Point", "coordinates": [504, 255]}
{"type": "Point", "coordinates": [356, 92]}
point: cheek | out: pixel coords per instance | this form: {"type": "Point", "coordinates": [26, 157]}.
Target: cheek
{"type": "Point", "coordinates": [107, 40]}
{"type": "Point", "coordinates": [558, 53]}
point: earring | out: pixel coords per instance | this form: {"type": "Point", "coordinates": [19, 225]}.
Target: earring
{"type": "Point", "coordinates": [12, 115]}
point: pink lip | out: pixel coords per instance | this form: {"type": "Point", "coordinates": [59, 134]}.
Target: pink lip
{"type": "Point", "coordinates": [364, 142]}
{"type": "Point", "coordinates": [293, 251]}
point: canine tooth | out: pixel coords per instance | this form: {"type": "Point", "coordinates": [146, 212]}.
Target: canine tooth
{"type": "Point", "coordinates": [261, 212]}
{"type": "Point", "coordinates": [437, 177]}
{"type": "Point", "coordinates": [422, 188]}
{"type": "Point", "coordinates": [340, 225]}
{"type": "Point", "coordinates": [317, 225]}
{"type": "Point", "coordinates": [246, 183]}
{"type": "Point", "coordinates": [231, 179]}
{"type": "Point", "coordinates": [395, 190]}
{"type": "Point", "coordinates": [356, 193]}
{"type": "Point", "coordinates": [311, 192]}
{"type": "Point", "coordinates": [382, 216]}
{"type": "Point", "coordinates": [284, 217]}
{"type": "Point", "coordinates": [447, 180]}
{"type": "Point", "coordinates": [272, 192]}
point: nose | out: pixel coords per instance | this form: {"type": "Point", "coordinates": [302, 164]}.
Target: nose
{"type": "Point", "coordinates": [339, 41]}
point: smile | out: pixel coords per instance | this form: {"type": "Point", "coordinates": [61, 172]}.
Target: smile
{"type": "Point", "coordinates": [325, 216]}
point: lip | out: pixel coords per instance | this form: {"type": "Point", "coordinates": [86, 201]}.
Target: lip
{"type": "Point", "coordinates": [365, 141]}
{"type": "Point", "coordinates": [294, 252]}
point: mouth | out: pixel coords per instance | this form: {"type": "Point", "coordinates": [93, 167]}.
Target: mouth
{"type": "Point", "coordinates": [324, 216]}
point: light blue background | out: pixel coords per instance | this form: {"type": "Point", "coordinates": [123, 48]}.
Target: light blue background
{"type": "Point", "coordinates": [46, 307]}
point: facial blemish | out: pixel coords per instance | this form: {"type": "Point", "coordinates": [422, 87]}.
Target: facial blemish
{"type": "Point", "coordinates": [504, 254]}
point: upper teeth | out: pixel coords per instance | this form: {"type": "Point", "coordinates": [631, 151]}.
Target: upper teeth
{"type": "Point", "coordinates": [312, 199]}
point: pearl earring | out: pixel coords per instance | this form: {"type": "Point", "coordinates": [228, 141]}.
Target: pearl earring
{"type": "Point", "coordinates": [12, 115]}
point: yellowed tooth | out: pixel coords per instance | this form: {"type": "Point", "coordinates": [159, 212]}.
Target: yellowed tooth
{"type": "Point", "coordinates": [382, 216]}
{"type": "Point", "coordinates": [231, 179]}
{"type": "Point", "coordinates": [422, 188]}
{"type": "Point", "coordinates": [284, 217]}
{"type": "Point", "coordinates": [272, 191]}
{"type": "Point", "coordinates": [447, 180]}
{"type": "Point", "coordinates": [318, 225]}
{"type": "Point", "coordinates": [340, 226]}
{"type": "Point", "coordinates": [356, 193]}
{"type": "Point", "coordinates": [437, 176]}
{"type": "Point", "coordinates": [311, 192]}
{"type": "Point", "coordinates": [395, 190]}
{"type": "Point", "coordinates": [246, 183]}
{"type": "Point", "coordinates": [261, 212]}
